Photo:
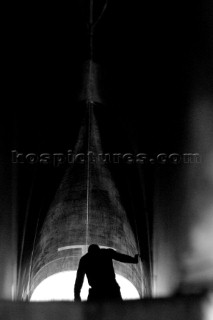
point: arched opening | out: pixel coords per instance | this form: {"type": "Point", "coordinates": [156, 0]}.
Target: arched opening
{"type": "Point", "coordinates": [60, 286]}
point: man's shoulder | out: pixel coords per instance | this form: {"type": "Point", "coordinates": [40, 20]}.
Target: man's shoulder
{"type": "Point", "coordinates": [103, 252]}
{"type": "Point", "coordinates": [84, 258]}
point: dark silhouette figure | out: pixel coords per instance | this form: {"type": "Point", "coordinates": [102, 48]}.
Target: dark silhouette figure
{"type": "Point", "coordinates": [98, 267]}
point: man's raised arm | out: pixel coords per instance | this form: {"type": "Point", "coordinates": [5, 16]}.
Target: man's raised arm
{"type": "Point", "coordinates": [124, 257]}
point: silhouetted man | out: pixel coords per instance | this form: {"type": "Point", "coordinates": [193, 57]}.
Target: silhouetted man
{"type": "Point", "coordinates": [98, 266]}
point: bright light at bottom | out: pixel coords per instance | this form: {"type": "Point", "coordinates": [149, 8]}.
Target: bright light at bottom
{"type": "Point", "coordinates": [208, 307]}
{"type": "Point", "coordinates": [60, 286]}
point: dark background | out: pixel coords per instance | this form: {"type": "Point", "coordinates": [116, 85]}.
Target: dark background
{"type": "Point", "coordinates": [155, 56]}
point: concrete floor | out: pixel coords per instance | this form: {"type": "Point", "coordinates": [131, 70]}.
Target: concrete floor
{"type": "Point", "coordinates": [176, 308]}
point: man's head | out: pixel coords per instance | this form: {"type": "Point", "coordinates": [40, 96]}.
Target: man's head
{"type": "Point", "coordinates": [93, 249]}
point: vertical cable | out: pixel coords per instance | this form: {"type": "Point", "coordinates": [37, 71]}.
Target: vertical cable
{"type": "Point", "coordinates": [89, 118]}
{"type": "Point", "coordinates": [88, 172]}
{"type": "Point", "coordinates": [90, 102]}
{"type": "Point", "coordinates": [91, 29]}
{"type": "Point", "coordinates": [92, 24]}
